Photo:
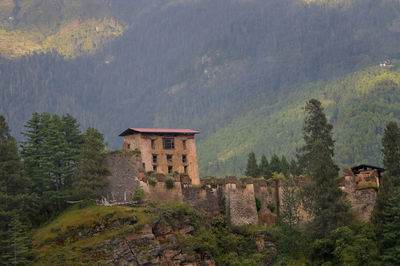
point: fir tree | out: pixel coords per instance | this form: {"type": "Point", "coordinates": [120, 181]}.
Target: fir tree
{"type": "Point", "coordinates": [323, 199]}
{"type": "Point", "coordinates": [252, 168]}
{"type": "Point", "coordinates": [285, 167]}
{"type": "Point", "coordinates": [90, 175]}
{"type": "Point", "coordinates": [17, 249]}
{"type": "Point", "coordinates": [387, 211]}
{"type": "Point", "coordinates": [275, 164]}
{"type": "Point", "coordinates": [294, 168]}
{"type": "Point", "coordinates": [13, 198]}
{"type": "Point", "coordinates": [264, 167]}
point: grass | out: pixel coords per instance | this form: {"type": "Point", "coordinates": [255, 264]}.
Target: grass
{"type": "Point", "coordinates": [367, 186]}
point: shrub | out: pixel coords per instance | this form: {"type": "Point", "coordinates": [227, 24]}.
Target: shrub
{"type": "Point", "coordinates": [169, 183]}
{"type": "Point", "coordinates": [152, 181]}
{"type": "Point", "coordinates": [367, 185]}
{"type": "Point", "coordinates": [139, 195]}
{"type": "Point", "coordinates": [271, 206]}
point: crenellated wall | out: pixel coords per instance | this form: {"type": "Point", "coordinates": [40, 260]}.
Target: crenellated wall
{"type": "Point", "coordinates": [232, 196]}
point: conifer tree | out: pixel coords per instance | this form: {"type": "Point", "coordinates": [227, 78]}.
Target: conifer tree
{"type": "Point", "coordinates": [13, 198]}
{"type": "Point", "coordinates": [89, 181]}
{"type": "Point", "coordinates": [285, 167]}
{"type": "Point", "coordinates": [264, 167]}
{"type": "Point", "coordinates": [387, 208]}
{"type": "Point", "coordinates": [294, 168]}
{"type": "Point", "coordinates": [16, 248]}
{"type": "Point", "coordinates": [252, 168]}
{"type": "Point", "coordinates": [275, 164]}
{"type": "Point", "coordinates": [322, 197]}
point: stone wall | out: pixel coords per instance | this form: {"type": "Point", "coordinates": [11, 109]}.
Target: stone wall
{"type": "Point", "coordinates": [240, 201]}
{"type": "Point", "coordinates": [362, 199]}
{"type": "Point", "coordinates": [124, 179]}
{"type": "Point", "coordinates": [235, 197]}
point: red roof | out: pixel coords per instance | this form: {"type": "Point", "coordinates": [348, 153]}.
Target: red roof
{"type": "Point", "coordinates": [131, 131]}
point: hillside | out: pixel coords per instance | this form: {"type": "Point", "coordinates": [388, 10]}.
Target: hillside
{"type": "Point", "coordinates": [358, 105]}
{"type": "Point", "coordinates": [170, 233]}
{"type": "Point", "coordinates": [212, 65]}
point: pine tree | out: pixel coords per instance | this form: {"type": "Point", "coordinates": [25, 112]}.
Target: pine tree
{"type": "Point", "coordinates": [50, 153]}
{"type": "Point", "coordinates": [322, 198]}
{"type": "Point", "coordinates": [17, 250]}
{"type": "Point", "coordinates": [264, 167]}
{"type": "Point", "coordinates": [252, 168]}
{"type": "Point", "coordinates": [275, 164]}
{"type": "Point", "coordinates": [387, 211]}
{"type": "Point", "coordinates": [90, 175]}
{"type": "Point", "coordinates": [13, 194]}
{"type": "Point", "coordinates": [294, 168]}
{"type": "Point", "coordinates": [285, 167]}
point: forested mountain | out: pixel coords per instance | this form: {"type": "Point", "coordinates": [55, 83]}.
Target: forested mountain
{"type": "Point", "coordinates": [238, 71]}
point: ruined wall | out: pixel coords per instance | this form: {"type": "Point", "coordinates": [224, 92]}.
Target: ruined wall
{"type": "Point", "coordinates": [267, 193]}
{"type": "Point", "coordinates": [362, 198]}
{"type": "Point", "coordinates": [240, 202]}
{"type": "Point", "coordinates": [124, 179]}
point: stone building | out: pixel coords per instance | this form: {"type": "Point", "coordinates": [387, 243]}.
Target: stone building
{"type": "Point", "coordinates": [165, 150]}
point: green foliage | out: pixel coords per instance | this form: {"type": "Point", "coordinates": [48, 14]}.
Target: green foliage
{"type": "Point", "coordinates": [152, 180]}
{"type": "Point", "coordinates": [139, 195]}
{"type": "Point", "coordinates": [169, 183]}
{"type": "Point", "coordinates": [14, 202]}
{"type": "Point", "coordinates": [264, 167]}
{"type": "Point", "coordinates": [89, 180]}
{"type": "Point", "coordinates": [252, 167]}
{"type": "Point", "coordinates": [390, 229]}
{"type": "Point", "coordinates": [367, 185]}
{"type": "Point", "coordinates": [322, 198]}
{"type": "Point", "coordinates": [271, 206]}
{"type": "Point", "coordinates": [348, 245]}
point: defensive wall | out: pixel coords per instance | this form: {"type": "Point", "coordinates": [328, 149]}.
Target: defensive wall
{"type": "Point", "coordinates": [234, 196]}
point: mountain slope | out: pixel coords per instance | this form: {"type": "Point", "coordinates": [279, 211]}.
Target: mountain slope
{"type": "Point", "coordinates": [358, 105]}
{"type": "Point", "coordinates": [198, 64]}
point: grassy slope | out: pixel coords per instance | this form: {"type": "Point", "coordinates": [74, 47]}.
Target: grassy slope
{"type": "Point", "coordinates": [50, 244]}
{"type": "Point", "coordinates": [359, 106]}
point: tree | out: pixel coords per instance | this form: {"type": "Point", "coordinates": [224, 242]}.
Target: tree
{"type": "Point", "coordinates": [252, 168]}
{"type": "Point", "coordinates": [322, 198]}
{"type": "Point", "coordinates": [16, 245]}
{"type": "Point", "coordinates": [285, 167]}
{"type": "Point", "coordinates": [294, 168]}
{"type": "Point", "coordinates": [264, 167]}
{"type": "Point", "coordinates": [13, 199]}
{"type": "Point", "coordinates": [89, 181]}
{"type": "Point", "coordinates": [275, 164]}
{"type": "Point", "coordinates": [50, 153]}
{"type": "Point", "coordinates": [387, 211]}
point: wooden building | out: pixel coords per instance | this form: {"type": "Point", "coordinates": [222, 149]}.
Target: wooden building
{"type": "Point", "coordinates": [165, 150]}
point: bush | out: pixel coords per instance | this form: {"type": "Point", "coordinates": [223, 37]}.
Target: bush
{"type": "Point", "coordinates": [139, 195]}
{"type": "Point", "coordinates": [152, 181]}
{"type": "Point", "coordinates": [169, 183]}
{"type": "Point", "coordinates": [271, 206]}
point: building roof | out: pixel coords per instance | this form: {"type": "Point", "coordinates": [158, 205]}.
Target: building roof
{"type": "Point", "coordinates": [363, 167]}
{"type": "Point", "coordinates": [159, 131]}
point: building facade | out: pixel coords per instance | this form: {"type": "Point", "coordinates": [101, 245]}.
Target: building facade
{"type": "Point", "coordinates": [165, 150]}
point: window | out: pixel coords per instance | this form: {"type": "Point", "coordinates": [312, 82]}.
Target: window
{"type": "Point", "coordinates": [144, 166]}
{"type": "Point", "coordinates": [154, 158]}
{"type": "Point", "coordinates": [169, 169]}
{"type": "Point", "coordinates": [185, 169]}
{"type": "Point", "coordinates": [169, 157]}
{"type": "Point", "coordinates": [184, 144]}
{"type": "Point", "coordinates": [153, 144]}
{"type": "Point", "coordinates": [184, 158]}
{"type": "Point", "coordinates": [129, 146]}
{"type": "Point", "coordinates": [154, 167]}
{"type": "Point", "coordinates": [168, 144]}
